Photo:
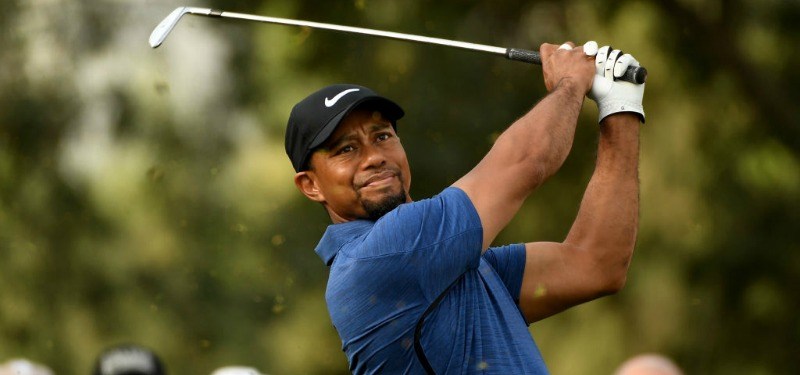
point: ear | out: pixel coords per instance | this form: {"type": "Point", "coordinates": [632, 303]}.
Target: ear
{"type": "Point", "coordinates": [307, 184]}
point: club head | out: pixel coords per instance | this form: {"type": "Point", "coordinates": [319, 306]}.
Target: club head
{"type": "Point", "coordinates": [164, 27]}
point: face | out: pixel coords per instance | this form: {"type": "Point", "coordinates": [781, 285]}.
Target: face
{"type": "Point", "coordinates": [361, 171]}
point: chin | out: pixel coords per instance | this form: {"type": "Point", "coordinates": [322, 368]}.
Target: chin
{"type": "Point", "coordinates": [388, 201]}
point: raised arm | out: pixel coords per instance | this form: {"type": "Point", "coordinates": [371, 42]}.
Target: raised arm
{"type": "Point", "coordinates": [593, 259]}
{"type": "Point", "coordinates": [534, 147]}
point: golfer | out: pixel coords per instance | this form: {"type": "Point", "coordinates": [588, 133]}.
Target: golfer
{"type": "Point", "coordinates": [414, 286]}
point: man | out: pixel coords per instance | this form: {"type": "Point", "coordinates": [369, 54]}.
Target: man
{"type": "Point", "coordinates": [649, 364]}
{"type": "Point", "coordinates": [414, 286]}
{"type": "Point", "coordinates": [236, 370]}
{"type": "Point", "coordinates": [21, 366]}
{"type": "Point", "coordinates": [128, 359]}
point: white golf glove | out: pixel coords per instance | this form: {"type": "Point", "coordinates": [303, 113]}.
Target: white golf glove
{"type": "Point", "coordinates": [613, 96]}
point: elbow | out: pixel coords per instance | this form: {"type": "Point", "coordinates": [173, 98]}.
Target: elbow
{"type": "Point", "coordinates": [614, 284]}
{"type": "Point", "coordinates": [613, 276]}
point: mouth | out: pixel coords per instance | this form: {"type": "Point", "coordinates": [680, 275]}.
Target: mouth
{"type": "Point", "coordinates": [379, 179]}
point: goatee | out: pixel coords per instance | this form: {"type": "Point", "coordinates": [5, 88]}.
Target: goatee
{"type": "Point", "coordinates": [376, 209]}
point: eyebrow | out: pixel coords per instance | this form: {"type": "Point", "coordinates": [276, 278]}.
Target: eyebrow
{"type": "Point", "coordinates": [334, 143]}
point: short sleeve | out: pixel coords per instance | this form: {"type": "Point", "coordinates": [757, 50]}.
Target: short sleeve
{"type": "Point", "coordinates": [509, 263]}
{"type": "Point", "coordinates": [440, 238]}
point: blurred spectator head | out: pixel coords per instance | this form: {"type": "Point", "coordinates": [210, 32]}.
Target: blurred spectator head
{"type": "Point", "coordinates": [236, 370]}
{"type": "Point", "coordinates": [128, 360]}
{"type": "Point", "coordinates": [23, 367]}
{"type": "Point", "coordinates": [649, 364]}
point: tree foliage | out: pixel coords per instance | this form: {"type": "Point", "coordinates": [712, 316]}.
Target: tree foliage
{"type": "Point", "coordinates": [145, 195]}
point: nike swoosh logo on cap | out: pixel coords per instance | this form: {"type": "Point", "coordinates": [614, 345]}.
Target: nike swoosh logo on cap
{"type": "Point", "coordinates": [330, 102]}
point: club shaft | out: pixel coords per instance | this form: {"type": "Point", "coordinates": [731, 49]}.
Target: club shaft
{"type": "Point", "coordinates": [359, 30]}
{"type": "Point", "coordinates": [634, 74]}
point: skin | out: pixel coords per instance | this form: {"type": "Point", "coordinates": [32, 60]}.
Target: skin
{"type": "Point", "coordinates": [648, 364]}
{"type": "Point", "coordinates": [593, 259]}
{"type": "Point", "coordinates": [361, 163]}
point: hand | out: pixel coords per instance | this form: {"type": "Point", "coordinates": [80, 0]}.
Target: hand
{"type": "Point", "coordinates": [566, 64]}
{"type": "Point", "coordinates": [614, 96]}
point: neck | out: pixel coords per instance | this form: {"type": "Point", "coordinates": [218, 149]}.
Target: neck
{"type": "Point", "coordinates": [336, 218]}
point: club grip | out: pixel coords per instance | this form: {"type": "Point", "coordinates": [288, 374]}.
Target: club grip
{"type": "Point", "coordinates": [634, 74]}
{"type": "Point", "coordinates": [530, 57]}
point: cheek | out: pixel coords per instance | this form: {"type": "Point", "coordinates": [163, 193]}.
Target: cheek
{"type": "Point", "coordinates": [402, 163]}
{"type": "Point", "coordinates": [337, 181]}
{"type": "Point", "coordinates": [407, 179]}
{"type": "Point", "coordinates": [341, 191]}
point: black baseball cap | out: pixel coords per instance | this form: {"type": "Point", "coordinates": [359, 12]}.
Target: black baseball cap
{"type": "Point", "coordinates": [315, 118]}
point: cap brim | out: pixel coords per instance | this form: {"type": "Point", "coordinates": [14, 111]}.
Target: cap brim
{"type": "Point", "coordinates": [388, 108]}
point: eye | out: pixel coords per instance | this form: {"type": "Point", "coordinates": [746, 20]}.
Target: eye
{"type": "Point", "coordinates": [345, 149]}
{"type": "Point", "coordinates": [383, 136]}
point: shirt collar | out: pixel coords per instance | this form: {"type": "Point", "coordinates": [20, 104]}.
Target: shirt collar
{"type": "Point", "coordinates": [337, 235]}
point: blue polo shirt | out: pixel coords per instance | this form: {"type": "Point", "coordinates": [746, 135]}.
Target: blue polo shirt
{"type": "Point", "coordinates": [384, 275]}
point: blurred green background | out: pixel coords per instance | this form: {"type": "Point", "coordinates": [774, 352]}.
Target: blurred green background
{"type": "Point", "coordinates": [145, 195]}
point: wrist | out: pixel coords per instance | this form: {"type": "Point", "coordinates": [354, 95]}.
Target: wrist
{"type": "Point", "coordinates": [619, 138]}
{"type": "Point", "coordinates": [570, 88]}
{"type": "Point", "coordinates": [570, 84]}
{"type": "Point", "coordinates": [622, 122]}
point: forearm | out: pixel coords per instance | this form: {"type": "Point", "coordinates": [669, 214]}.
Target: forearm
{"type": "Point", "coordinates": [607, 221]}
{"type": "Point", "coordinates": [533, 147]}
{"type": "Point", "coordinates": [524, 156]}
{"type": "Point", "coordinates": [539, 142]}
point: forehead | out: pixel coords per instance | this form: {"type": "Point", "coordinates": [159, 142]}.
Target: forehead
{"type": "Point", "coordinates": [360, 117]}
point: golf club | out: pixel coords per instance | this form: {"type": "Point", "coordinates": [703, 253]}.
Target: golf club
{"type": "Point", "coordinates": [634, 74]}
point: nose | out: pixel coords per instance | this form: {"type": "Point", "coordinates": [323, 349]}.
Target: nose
{"type": "Point", "coordinates": [373, 157]}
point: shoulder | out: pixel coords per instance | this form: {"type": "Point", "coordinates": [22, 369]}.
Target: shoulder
{"type": "Point", "coordinates": [422, 224]}
{"type": "Point", "coordinates": [449, 212]}
{"type": "Point", "coordinates": [451, 206]}
{"type": "Point", "coordinates": [449, 200]}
